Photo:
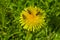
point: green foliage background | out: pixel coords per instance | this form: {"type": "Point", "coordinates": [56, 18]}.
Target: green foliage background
{"type": "Point", "coordinates": [9, 20]}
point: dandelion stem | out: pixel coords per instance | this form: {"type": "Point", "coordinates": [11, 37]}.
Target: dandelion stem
{"type": "Point", "coordinates": [28, 36]}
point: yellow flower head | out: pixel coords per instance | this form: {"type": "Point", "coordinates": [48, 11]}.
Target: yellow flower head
{"type": "Point", "coordinates": [32, 18]}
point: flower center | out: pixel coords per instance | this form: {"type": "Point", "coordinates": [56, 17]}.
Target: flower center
{"type": "Point", "coordinates": [31, 19]}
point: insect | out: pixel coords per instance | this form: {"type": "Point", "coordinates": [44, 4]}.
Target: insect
{"type": "Point", "coordinates": [24, 17]}
{"type": "Point", "coordinates": [29, 11]}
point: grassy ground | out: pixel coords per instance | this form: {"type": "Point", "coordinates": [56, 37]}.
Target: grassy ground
{"type": "Point", "coordinates": [9, 20]}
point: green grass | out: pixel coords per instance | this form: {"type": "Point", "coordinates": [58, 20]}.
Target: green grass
{"type": "Point", "coordinates": [10, 28]}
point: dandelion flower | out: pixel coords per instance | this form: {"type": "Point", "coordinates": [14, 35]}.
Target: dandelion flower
{"type": "Point", "coordinates": [32, 18]}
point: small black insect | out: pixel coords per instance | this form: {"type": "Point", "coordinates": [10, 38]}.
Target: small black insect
{"type": "Point", "coordinates": [38, 13]}
{"type": "Point", "coordinates": [24, 17]}
{"type": "Point", "coordinates": [29, 11]}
